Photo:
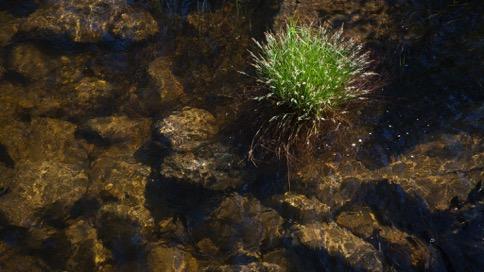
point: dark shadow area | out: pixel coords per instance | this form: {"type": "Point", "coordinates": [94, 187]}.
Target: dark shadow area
{"type": "Point", "coordinates": [5, 157]}
{"type": "Point", "coordinates": [19, 8]}
{"type": "Point", "coordinates": [454, 233]}
{"type": "Point", "coordinates": [437, 76]}
{"type": "Point", "coordinates": [123, 237]}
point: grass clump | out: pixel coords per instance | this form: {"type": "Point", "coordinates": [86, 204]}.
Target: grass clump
{"type": "Point", "coordinates": [310, 74]}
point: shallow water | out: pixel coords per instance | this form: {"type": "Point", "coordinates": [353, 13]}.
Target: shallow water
{"type": "Point", "coordinates": [125, 128]}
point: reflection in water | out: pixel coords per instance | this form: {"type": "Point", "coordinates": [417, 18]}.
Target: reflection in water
{"type": "Point", "coordinates": [125, 126]}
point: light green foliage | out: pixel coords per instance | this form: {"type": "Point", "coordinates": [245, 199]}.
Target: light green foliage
{"type": "Point", "coordinates": [311, 70]}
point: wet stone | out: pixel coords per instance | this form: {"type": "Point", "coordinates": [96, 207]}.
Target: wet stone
{"type": "Point", "coordinates": [173, 229]}
{"type": "Point", "coordinates": [187, 129]}
{"type": "Point", "coordinates": [88, 252]}
{"type": "Point", "coordinates": [50, 169]}
{"type": "Point", "coordinates": [169, 86]}
{"type": "Point", "coordinates": [90, 21]}
{"type": "Point", "coordinates": [30, 62]}
{"type": "Point", "coordinates": [124, 230]}
{"type": "Point", "coordinates": [121, 129]}
{"type": "Point", "coordinates": [10, 100]}
{"type": "Point", "coordinates": [134, 24]}
{"type": "Point", "coordinates": [214, 166]}
{"type": "Point", "coordinates": [404, 250]}
{"type": "Point", "coordinates": [92, 90]}
{"type": "Point", "coordinates": [302, 208]}
{"type": "Point", "coordinates": [116, 173]}
{"type": "Point", "coordinates": [338, 242]}
{"type": "Point", "coordinates": [120, 178]}
{"type": "Point", "coordinates": [8, 28]}
{"type": "Point", "coordinates": [251, 267]}
{"type": "Point", "coordinates": [41, 188]}
{"type": "Point", "coordinates": [245, 222]}
{"type": "Point", "coordinates": [44, 139]}
{"type": "Point", "coordinates": [162, 258]}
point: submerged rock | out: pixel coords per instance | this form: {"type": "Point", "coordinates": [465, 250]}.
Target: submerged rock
{"type": "Point", "coordinates": [405, 251]}
{"type": "Point", "coordinates": [8, 28]}
{"type": "Point", "coordinates": [124, 230]}
{"type": "Point", "coordinates": [91, 90]}
{"type": "Point", "coordinates": [117, 173]}
{"type": "Point", "coordinates": [339, 244]}
{"type": "Point", "coordinates": [302, 208]}
{"type": "Point", "coordinates": [251, 267]}
{"type": "Point", "coordinates": [43, 140]}
{"type": "Point", "coordinates": [169, 86]}
{"type": "Point", "coordinates": [90, 21]}
{"type": "Point", "coordinates": [30, 62]}
{"type": "Point", "coordinates": [214, 166]}
{"type": "Point", "coordinates": [187, 129]}
{"type": "Point", "coordinates": [121, 130]}
{"type": "Point", "coordinates": [46, 188]}
{"type": "Point", "coordinates": [246, 223]}
{"type": "Point", "coordinates": [88, 252]}
{"type": "Point", "coordinates": [50, 170]}
{"type": "Point", "coordinates": [11, 100]}
{"type": "Point", "coordinates": [162, 258]}
{"type": "Point", "coordinates": [119, 177]}
{"type": "Point", "coordinates": [134, 24]}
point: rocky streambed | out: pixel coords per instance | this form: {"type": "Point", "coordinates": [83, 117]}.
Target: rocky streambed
{"type": "Point", "coordinates": [125, 127]}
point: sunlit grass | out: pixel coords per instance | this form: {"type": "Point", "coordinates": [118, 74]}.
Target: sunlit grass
{"type": "Point", "coordinates": [311, 70]}
{"type": "Point", "coordinates": [308, 74]}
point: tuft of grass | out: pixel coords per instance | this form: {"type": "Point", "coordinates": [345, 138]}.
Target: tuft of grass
{"type": "Point", "coordinates": [311, 69]}
{"type": "Point", "coordinates": [309, 74]}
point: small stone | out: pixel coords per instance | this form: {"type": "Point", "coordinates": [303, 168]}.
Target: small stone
{"type": "Point", "coordinates": [214, 167]}
{"type": "Point", "coordinates": [135, 24]}
{"type": "Point", "coordinates": [90, 21]}
{"type": "Point", "coordinates": [187, 129]}
{"type": "Point", "coordinates": [302, 208]}
{"type": "Point", "coordinates": [169, 86]}
{"type": "Point", "coordinates": [27, 60]}
{"type": "Point", "coordinates": [162, 259]}
{"type": "Point", "coordinates": [91, 90]}
{"type": "Point", "coordinates": [338, 242]}
{"type": "Point", "coordinates": [245, 222]}
{"type": "Point", "coordinates": [88, 252]}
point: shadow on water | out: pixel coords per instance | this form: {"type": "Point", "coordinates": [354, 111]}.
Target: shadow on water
{"type": "Point", "coordinates": [454, 233]}
{"type": "Point", "coordinates": [435, 84]}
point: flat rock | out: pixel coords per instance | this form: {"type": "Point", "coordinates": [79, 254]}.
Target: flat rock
{"type": "Point", "coordinates": [187, 129]}
{"type": "Point", "coordinates": [214, 166]}
{"type": "Point", "coordinates": [8, 28]}
{"type": "Point", "coordinates": [162, 258]}
{"type": "Point", "coordinates": [124, 229]}
{"type": "Point", "coordinates": [251, 267]}
{"type": "Point", "coordinates": [169, 87]}
{"type": "Point", "coordinates": [338, 242]}
{"type": "Point", "coordinates": [30, 62]}
{"type": "Point", "coordinates": [88, 252]}
{"type": "Point", "coordinates": [90, 21]}
{"type": "Point", "coordinates": [302, 208]}
{"type": "Point", "coordinates": [404, 250]}
{"type": "Point", "coordinates": [132, 132]}
{"type": "Point", "coordinates": [245, 222]}
{"type": "Point", "coordinates": [119, 176]}
{"type": "Point", "coordinates": [50, 169]}
{"type": "Point", "coordinates": [43, 188]}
